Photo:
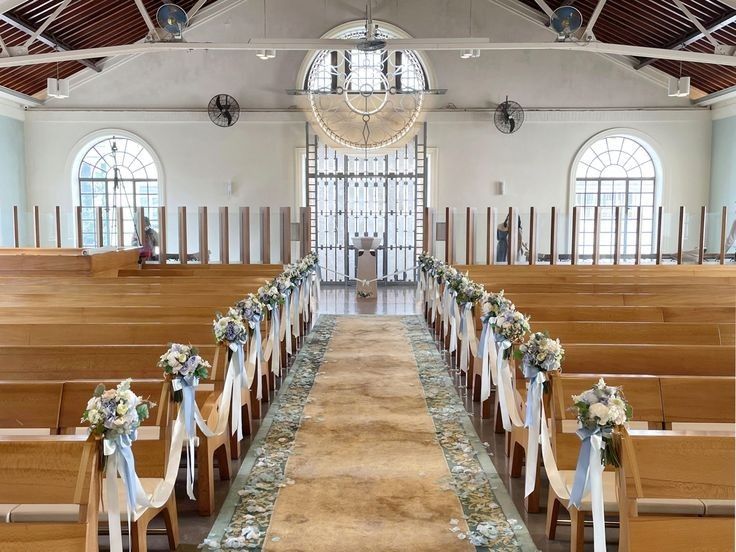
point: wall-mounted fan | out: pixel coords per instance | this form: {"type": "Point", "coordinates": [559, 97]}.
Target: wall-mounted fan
{"type": "Point", "coordinates": [509, 117]}
{"type": "Point", "coordinates": [172, 19]}
{"type": "Point", "coordinates": [566, 22]}
{"type": "Point", "coordinates": [224, 110]}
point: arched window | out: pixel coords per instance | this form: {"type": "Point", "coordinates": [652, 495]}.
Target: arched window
{"type": "Point", "coordinates": [118, 175]}
{"type": "Point", "coordinates": [616, 171]}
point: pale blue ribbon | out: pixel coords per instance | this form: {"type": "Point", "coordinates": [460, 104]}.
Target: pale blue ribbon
{"type": "Point", "coordinates": [276, 344]}
{"type": "Point", "coordinates": [483, 338]}
{"type": "Point", "coordinates": [582, 482]}
{"type": "Point", "coordinates": [121, 446]}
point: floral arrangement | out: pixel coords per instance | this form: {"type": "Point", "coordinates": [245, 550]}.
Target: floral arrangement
{"type": "Point", "coordinates": [512, 326]}
{"type": "Point", "coordinates": [114, 413]}
{"type": "Point", "coordinates": [183, 362]}
{"type": "Point", "coordinates": [230, 328]}
{"type": "Point", "coordinates": [296, 272]}
{"type": "Point", "coordinates": [599, 410]}
{"type": "Point", "coordinates": [283, 284]}
{"type": "Point", "coordinates": [250, 309]}
{"type": "Point", "coordinates": [540, 353]}
{"type": "Point", "coordinates": [493, 304]}
{"type": "Point", "coordinates": [428, 263]}
{"type": "Point", "coordinates": [270, 295]}
{"type": "Point", "coordinates": [467, 291]}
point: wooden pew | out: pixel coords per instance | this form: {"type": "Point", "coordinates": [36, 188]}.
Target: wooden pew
{"type": "Point", "coordinates": [26, 406]}
{"type": "Point", "coordinates": [675, 466]}
{"type": "Point", "coordinates": [64, 473]}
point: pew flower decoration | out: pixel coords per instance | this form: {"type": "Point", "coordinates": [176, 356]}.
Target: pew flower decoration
{"type": "Point", "coordinates": [511, 326]}
{"type": "Point", "coordinates": [600, 410]}
{"type": "Point", "coordinates": [284, 284]}
{"type": "Point", "coordinates": [250, 310]}
{"type": "Point", "coordinates": [115, 414]}
{"type": "Point", "coordinates": [229, 329]}
{"type": "Point", "coordinates": [270, 295]}
{"type": "Point", "coordinates": [183, 366]}
{"type": "Point", "coordinates": [468, 291]}
{"type": "Point", "coordinates": [429, 264]}
{"type": "Point", "coordinates": [540, 353]}
{"type": "Point", "coordinates": [493, 304]}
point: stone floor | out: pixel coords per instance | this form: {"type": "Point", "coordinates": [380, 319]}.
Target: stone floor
{"type": "Point", "coordinates": [390, 300]}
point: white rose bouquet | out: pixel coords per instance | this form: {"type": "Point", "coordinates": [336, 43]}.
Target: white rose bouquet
{"type": "Point", "coordinates": [116, 413]}
{"type": "Point", "coordinates": [540, 353]}
{"type": "Point", "coordinates": [230, 328]}
{"type": "Point", "coordinates": [511, 326]}
{"type": "Point", "coordinates": [250, 309]}
{"type": "Point", "coordinates": [182, 362]}
{"type": "Point", "coordinates": [270, 295]}
{"type": "Point", "coordinates": [493, 304]}
{"type": "Point", "coordinates": [600, 410]}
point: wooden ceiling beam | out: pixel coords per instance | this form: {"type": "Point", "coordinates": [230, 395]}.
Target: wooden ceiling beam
{"type": "Point", "coordinates": [686, 40]}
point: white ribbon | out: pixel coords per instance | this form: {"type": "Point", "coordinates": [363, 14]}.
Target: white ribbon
{"type": "Point", "coordinates": [488, 357]}
{"type": "Point", "coordinates": [595, 475]}
{"type": "Point", "coordinates": [534, 401]}
{"type": "Point", "coordinates": [285, 335]}
{"type": "Point", "coordinates": [469, 343]}
{"type": "Point", "coordinates": [295, 294]}
{"type": "Point", "coordinates": [505, 389]}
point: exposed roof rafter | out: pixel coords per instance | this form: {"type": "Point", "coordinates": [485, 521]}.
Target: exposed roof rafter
{"type": "Point", "coordinates": [688, 39]}
{"type": "Point", "coordinates": [45, 38]}
{"type": "Point", "coordinates": [50, 19]}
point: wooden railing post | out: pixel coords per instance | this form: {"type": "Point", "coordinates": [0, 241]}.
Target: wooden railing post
{"type": "Point", "coordinates": [490, 236]}
{"type": "Point", "coordinates": [245, 235]}
{"type": "Point", "coordinates": [596, 234]}
{"type": "Point", "coordinates": [57, 224]}
{"type": "Point", "coordinates": [513, 229]}
{"type": "Point", "coordinates": [680, 234]}
{"type": "Point", "coordinates": [532, 236]}
{"type": "Point", "coordinates": [204, 255]}
{"type": "Point", "coordinates": [469, 236]}
{"type": "Point", "coordinates": [78, 223]}
{"type": "Point", "coordinates": [638, 235]}
{"type": "Point", "coordinates": [36, 227]}
{"type": "Point", "coordinates": [183, 255]}
{"type": "Point", "coordinates": [162, 235]}
{"type": "Point", "coordinates": [99, 237]}
{"type": "Point", "coordinates": [701, 236]}
{"type": "Point", "coordinates": [724, 226]}
{"type": "Point", "coordinates": [16, 228]}
{"type": "Point", "coordinates": [265, 235]}
{"type": "Point", "coordinates": [617, 235]}
{"type": "Point", "coordinates": [121, 226]}
{"type": "Point", "coordinates": [660, 224]}
{"type": "Point", "coordinates": [574, 252]}
{"type": "Point", "coordinates": [305, 238]}
{"type": "Point", "coordinates": [449, 253]}
{"type": "Point", "coordinates": [224, 236]}
{"type": "Point", "coordinates": [553, 236]}
{"type": "Point", "coordinates": [285, 235]}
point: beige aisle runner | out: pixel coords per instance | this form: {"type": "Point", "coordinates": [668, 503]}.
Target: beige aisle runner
{"type": "Point", "coordinates": [366, 467]}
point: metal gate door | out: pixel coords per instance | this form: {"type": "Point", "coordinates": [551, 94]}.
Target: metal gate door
{"type": "Point", "coordinates": [378, 194]}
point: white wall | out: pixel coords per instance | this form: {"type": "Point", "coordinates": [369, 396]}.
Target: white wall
{"type": "Point", "coordinates": [258, 154]}
{"type": "Point", "coordinates": [12, 167]}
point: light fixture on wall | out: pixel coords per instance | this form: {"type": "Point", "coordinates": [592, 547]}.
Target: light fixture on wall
{"type": "Point", "coordinates": [470, 53]}
{"type": "Point", "coordinates": [266, 54]}
{"type": "Point", "coordinates": [678, 87]}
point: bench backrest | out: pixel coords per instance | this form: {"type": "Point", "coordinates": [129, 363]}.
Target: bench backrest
{"type": "Point", "coordinates": [30, 405]}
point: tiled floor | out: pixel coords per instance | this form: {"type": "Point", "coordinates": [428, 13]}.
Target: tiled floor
{"type": "Point", "coordinates": [391, 300]}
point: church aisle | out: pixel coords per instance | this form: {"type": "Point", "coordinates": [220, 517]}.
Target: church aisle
{"type": "Point", "coordinates": [368, 448]}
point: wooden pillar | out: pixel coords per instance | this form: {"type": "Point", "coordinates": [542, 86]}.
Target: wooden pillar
{"type": "Point", "coordinates": [638, 235]}
{"type": "Point", "coordinates": [429, 233]}
{"type": "Point", "coordinates": [724, 226]}
{"type": "Point", "coordinates": [245, 235]}
{"type": "Point", "coordinates": [532, 236]}
{"type": "Point", "coordinates": [449, 253]}
{"type": "Point", "coordinates": [57, 224]}
{"type": "Point", "coordinates": [36, 227]}
{"type": "Point", "coordinates": [660, 223]}
{"type": "Point", "coordinates": [78, 223]}
{"type": "Point", "coordinates": [513, 229]}
{"type": "Point", "coordinates": [596, 234]}
{"type": "Point", "coordinates": [617, 235]}
{"type": "Point", "coordinates": [701, 235]}
{"type": "Point", "coordinates": [305, 239]}
{"type": "Point", "coordinates": [265, 235]}
{"type": "Point", "coordinates": [553, 236]}
{"type": "Point", "coordinates": [204, 246]}
{"type": "Point", "coordinates": [285, 235]}
{"type": "Point", "coordinates": [16, 227]}
{"type": "Point", "coordinates": [162, 235]}
{"type": "Point", "coordinates": [490, 236]}
{"type": "Point", "coordinates": [574, 252]}
{"type": "Point", "coordinates": [99, 238]}
{"type": "Point", "coordinates": [680, 234]}
{"type": "Point", "coordinates": [121, 226]}
{"type": "Point", "coordinates": [469, 236]}
{"type": "Point", "coordinates": [224, 236]}
{"type": "Point", "coordinates": [183, 235]}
